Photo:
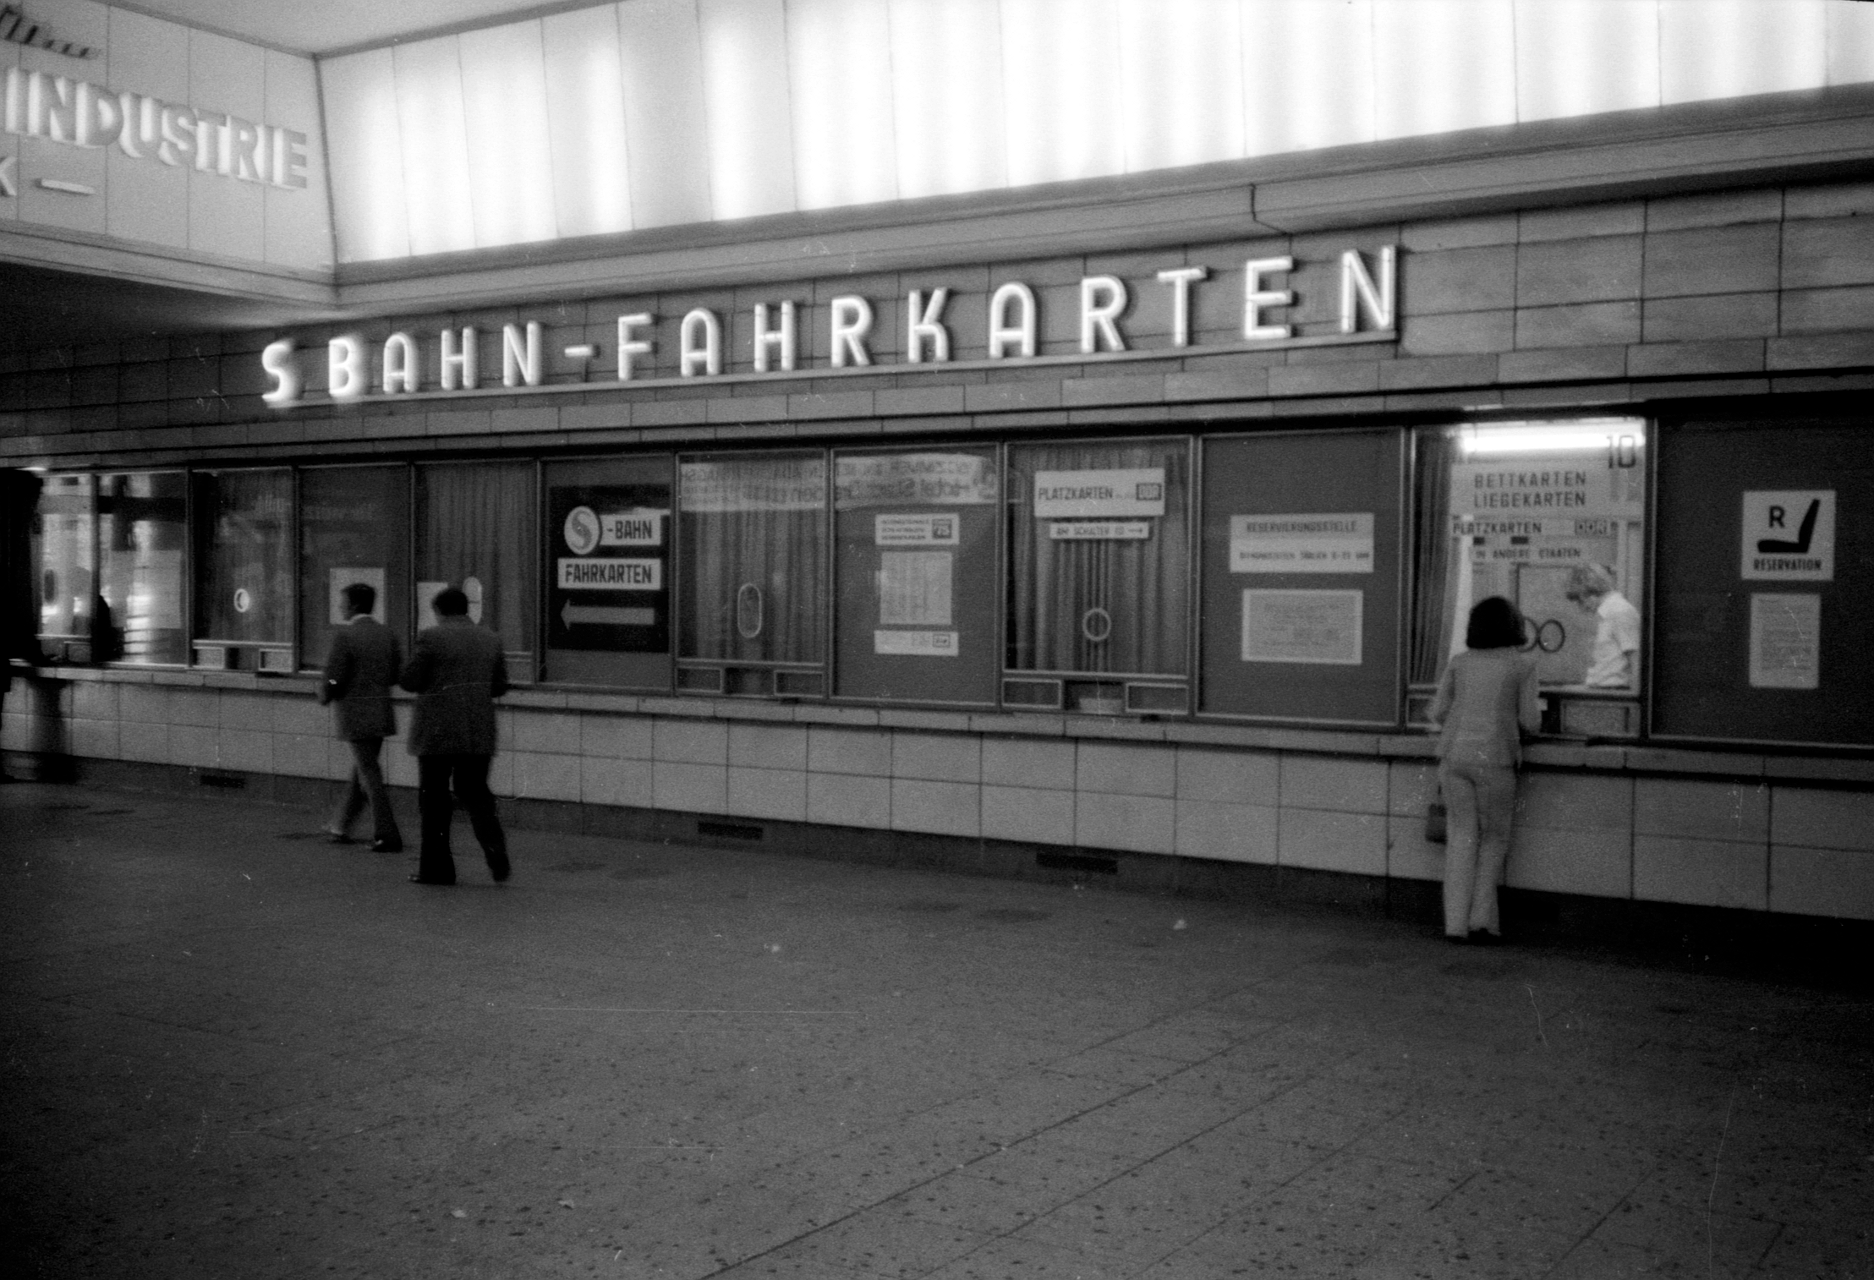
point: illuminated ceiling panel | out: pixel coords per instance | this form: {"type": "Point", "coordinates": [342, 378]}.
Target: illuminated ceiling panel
{"type": "Point", "coordinates": [657, 112]}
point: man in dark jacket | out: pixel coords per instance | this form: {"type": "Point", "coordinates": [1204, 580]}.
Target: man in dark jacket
{"type": "Point", "coordinates": [456, 672]}
{"type": "Point", "coordinates": [363, 664]}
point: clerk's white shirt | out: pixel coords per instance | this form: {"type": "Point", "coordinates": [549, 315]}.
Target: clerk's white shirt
{"type": "Point", "coordinates": [1616, 640]}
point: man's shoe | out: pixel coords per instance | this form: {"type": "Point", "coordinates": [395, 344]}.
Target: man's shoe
{"type": "Point", "coordinates": [387, 846]}
{"type": "Point", "coordinates": [498, 866]}
{"type": "Point", "coordinates": [421, 880]}
{"type": "Point", "coordinates": [334, 836]}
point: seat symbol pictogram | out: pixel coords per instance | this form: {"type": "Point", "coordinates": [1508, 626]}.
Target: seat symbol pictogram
{"type": "Point", "coordinates": [1804, 533]}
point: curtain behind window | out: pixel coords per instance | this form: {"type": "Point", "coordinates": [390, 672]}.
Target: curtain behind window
{"type": "Point", "coordinates": [244, 547]}
{"type": "Point", "coordinates": [1142, 583]}
{"type": "Point", "coordinates": [754, 559]}
{"type": "Point", "coordinates": [476, 531]}
{"type": "Point", "coordinates": [1429, 640]}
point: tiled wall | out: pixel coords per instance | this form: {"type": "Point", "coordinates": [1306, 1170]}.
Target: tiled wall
{"type": "Point", "coordinates": [1744, 293]}
{"type": "Point", "coordinates": [1777, 844]}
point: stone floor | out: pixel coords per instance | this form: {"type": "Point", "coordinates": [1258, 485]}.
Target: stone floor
{"type": "Point", "coordinates": [233, 1050]}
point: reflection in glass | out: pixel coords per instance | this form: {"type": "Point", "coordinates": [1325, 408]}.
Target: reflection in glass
{"type": "Point", "coordinates": [476, 529]}
{"type": "Point", "coordinates": [754, 549]}
{"type": "Point", "coordinates": [63, 551]}
{"type": "Point", "coordinates": [244, 554]}
{"type": "Point", "coordinates": [353, 527]}
{"type": "Point", "coordinates": [1098, 583]}
{"type": "Point", "coordinates": [142, 535]}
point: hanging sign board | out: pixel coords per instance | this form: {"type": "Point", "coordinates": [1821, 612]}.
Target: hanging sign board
{"type": "Point", "coordinates": [1319, 543]}
{"type": "Point", "coordinates": [1100, 530]}
{"type": "Point", "coordinates": [1099, 495]}
{"type": "Point", "coordinates": [1789, 536]}
{"type": "Point", "coordinates": [600, 599]}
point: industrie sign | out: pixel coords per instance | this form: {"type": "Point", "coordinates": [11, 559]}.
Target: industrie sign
{"type": "Point", "coordinates": [449, 364]}
{"type": "Point", "coordinates": [78, 113]}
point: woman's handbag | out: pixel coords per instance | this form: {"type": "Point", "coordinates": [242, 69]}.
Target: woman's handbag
{"type": "Point", "coordinates": [1435, 819]}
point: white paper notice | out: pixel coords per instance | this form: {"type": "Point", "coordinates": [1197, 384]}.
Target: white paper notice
{"type": "Point", "coordinates": [1321, 543]}
{"type": "Point", "coordinates": [915, 644]}
{"type": "Point", "coordinates": [914, 529]}
{"type": "Point", "coordinates": [1302, 626]}
{"type": "Point", "coordinates": [425, 611]}
{"type": "Point", "coordinates": [344, 577]}
{"type": "Point", "coordinates": [1785, 641]}
{"type": "Point", "coordinates": [914, 588]}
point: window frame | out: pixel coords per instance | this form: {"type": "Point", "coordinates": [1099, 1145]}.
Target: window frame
{"type": "Point", "coordinates": [1135, 688]}
{"type": "Point", "coordinates": [269, 657]}
{"type": "Point", "coordinates": [689, 675]}
{"type": "Point", "coordinates": [997, 459]}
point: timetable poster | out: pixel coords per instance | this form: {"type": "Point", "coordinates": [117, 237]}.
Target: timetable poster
{"type": "Point", "coordinates": [608, 556]}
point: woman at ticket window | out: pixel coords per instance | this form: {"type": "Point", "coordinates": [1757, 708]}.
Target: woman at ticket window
{"type": "Point", "coordinates": [1615, 660]}
{"type": "Point", "coordinates": [1485, 703]}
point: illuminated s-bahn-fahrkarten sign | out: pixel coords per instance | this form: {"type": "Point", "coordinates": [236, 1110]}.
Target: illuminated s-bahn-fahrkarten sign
{"type": "Point", "coordinates": [398, 367]}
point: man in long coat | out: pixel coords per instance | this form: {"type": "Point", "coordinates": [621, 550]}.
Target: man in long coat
{"type": "Point", "coordinates": [456, 671]}
{"type": "Point", "coordinates": [363, 664]}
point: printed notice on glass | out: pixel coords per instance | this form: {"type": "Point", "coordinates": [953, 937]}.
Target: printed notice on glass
{"type": "Point", "coordinates": [1099, 530]}
{"type": "Point", "coordinates": [1302, 626]}
{"type": "Point", "coordinates": [915, 644]}
{"type": "Point", "coordinates": [914, 530]}
{"type": "Point", "coordinates": [1785, 641]}
{"type": "Point", "coordinates": [610, 574]}
{"type": "Point", "coordinates": [779, 484]}
{"type": "Point", "coordinates": [1320, 543]}
{"type": "Point", "coordinates": [913, 479]}
{"type": "Point", "coordinates": [914, 588]}
{"type": "Point", "coordinates": [1100, 495]}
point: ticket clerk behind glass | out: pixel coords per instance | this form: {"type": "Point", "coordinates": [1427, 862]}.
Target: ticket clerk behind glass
{"type": "Point", "coordinates": [1614, 662]}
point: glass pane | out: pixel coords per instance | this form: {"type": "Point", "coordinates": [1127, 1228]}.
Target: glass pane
{"type": "Point", "coordinates": [62, 549]}
{"type": "Point", "coordinates": [143, 521]}
{"type": "Point", "coordinates": [753, 538]}
{"type": "Point", "coordinates": [244, 555]}
{"type": "Point", "coordinates": [916, 535]}
{"type": "Point", "coordinates": [608, 571]}
{"type": "Point", "coordinates": [353, 528]}
{"type": "Point", "coordinates": [1099, 557]}
{"type": "Point", "coordinates": [1550, 516]}
{"type": "Point", "coordinates": [476, 529]}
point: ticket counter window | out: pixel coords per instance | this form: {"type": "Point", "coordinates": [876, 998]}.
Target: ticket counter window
{"type": "Point", "coordinates": [65, 551]}
{"type": "Point", "coordinates": [354, 527]}
{"type": "Point", "coordinates": [142, 541]}
{"type": "Point", "coordinates": [244, 565]}
{"type": "Point", "coordinates": [916, 546]}
{"type": "Point", "coordinates": [1099, 577]}
{"type": "Point", "coordinates": [752, 616]}
{"type": "Point", "coordinates": [1550, 515]}
{"type": "Point", "coordinates": [475, 530]}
